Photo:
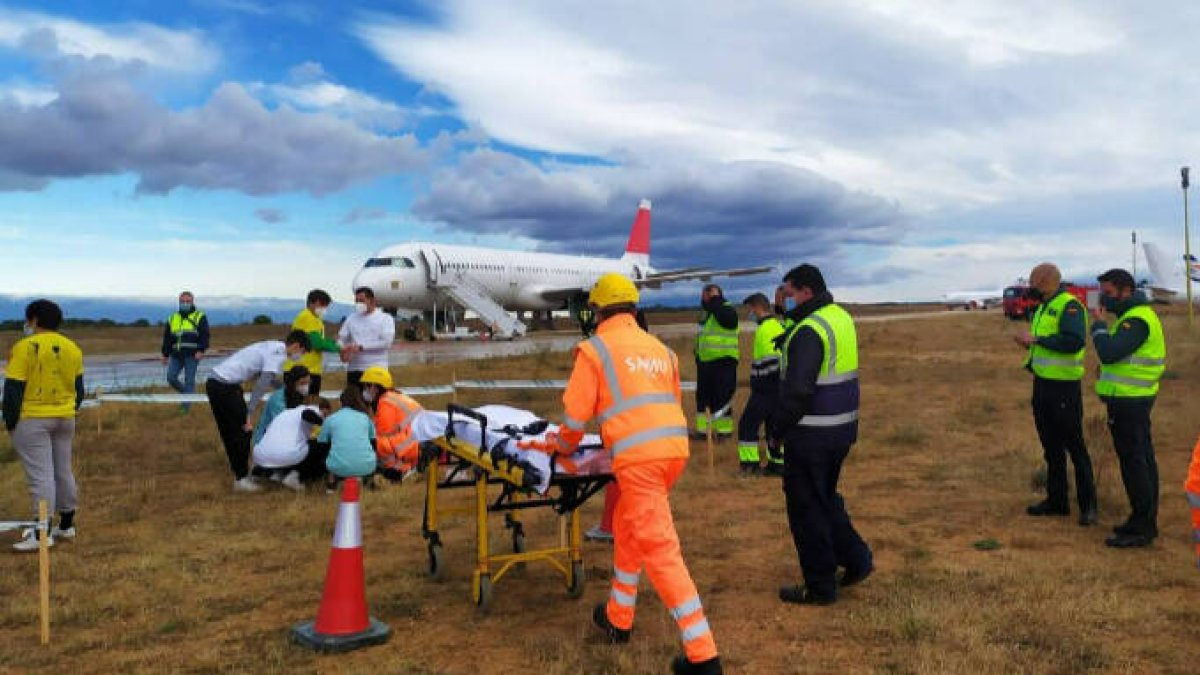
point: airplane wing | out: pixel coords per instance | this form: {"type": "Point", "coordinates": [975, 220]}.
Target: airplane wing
{"type": "Point", "coordinates": [657, 279]}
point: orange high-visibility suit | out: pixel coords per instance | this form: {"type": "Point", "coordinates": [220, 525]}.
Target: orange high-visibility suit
{"type": "Point", "coordinates": [629, 382]}
{"type": "Point", "coordinates": [1192, 485]}
{"type": "Point", "coordinates": [394, 441]}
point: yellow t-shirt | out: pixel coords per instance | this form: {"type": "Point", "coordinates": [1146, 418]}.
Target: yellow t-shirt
{"type": "Point", "coordinates": [309, 323]}
{"type": "Point", "coordinates": [48, 363]}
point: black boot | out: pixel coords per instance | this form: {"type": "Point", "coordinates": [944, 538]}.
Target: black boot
{"type": "Point", "coordinates": [1088, 515]}
{"type": "Point", "coordinates": [681, 666]}
{"type": "Point", "coordinates": [1045, 508]}
{"type": "Point", "coordinates": [600, 618]}
{"type": "Point", "coordinates": [799, 595]}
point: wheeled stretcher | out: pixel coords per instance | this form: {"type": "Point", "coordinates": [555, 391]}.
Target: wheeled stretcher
{"type": "Point", "coordinates": [478, 466]}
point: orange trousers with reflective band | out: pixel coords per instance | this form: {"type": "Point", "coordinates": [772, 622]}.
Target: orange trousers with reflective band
{"type": "Point", "coordinates": [645, 539]}
{"type": "Point", "coordinates": [1193, 496]}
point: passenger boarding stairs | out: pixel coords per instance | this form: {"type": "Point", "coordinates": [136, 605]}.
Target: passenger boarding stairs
{"type": "Point", "coordinates": [473, 295]}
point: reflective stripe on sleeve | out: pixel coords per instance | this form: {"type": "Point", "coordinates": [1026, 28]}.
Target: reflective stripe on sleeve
{"type": "Point", "coordinates": [572, 423]}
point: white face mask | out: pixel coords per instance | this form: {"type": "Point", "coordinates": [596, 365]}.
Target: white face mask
{"type": "Point", "coordinates": [302, 389]}
{"type": "Point", "coordinates": [368, 394]}
{"type": "Point", "coordinates": [295, 355]}
{"type": "Point", "coordinates": [27, 330]}
{"type": "Point", "coordinates": [360, 307]}
{"type": "Point", "coordinates": [320, 312]}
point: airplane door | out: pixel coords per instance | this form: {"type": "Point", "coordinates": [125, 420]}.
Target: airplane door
{"type": "Point", "coordinates": [433, 266]}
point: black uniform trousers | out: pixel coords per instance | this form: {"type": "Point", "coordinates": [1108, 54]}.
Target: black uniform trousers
{"type": "Point", "coordinates": [764, 399]}
{"type": "Point", "coordinates": [825, 538]}
{"type": "Point", "coordinates": [716, 382]}
{"type": "Point", "coordinates": [1129, 422]}
{"type": "Point", "coordinates": [1058, 416]}
{"type": "Point", "coordinates": [229, 410]}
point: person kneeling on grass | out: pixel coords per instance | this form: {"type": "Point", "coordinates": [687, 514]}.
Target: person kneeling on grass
{"type": "Point", "coordinates": [288, 447]}
{"type": "Point", "coordinates": [350, 435]}
{"type": "Point", "coordinates": [293, 392]}
{"type": "Point", "coordinates": [394, 414]}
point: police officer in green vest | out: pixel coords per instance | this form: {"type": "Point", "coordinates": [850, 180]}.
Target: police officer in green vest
{"type": "Point", "coordinates": [185, 340]}
{"type": "Point", "coordinates": [764, 390]}
{"type": "Point", "coordinates": [817, 419]}
{"type": "Point", "coordinates": [1056, 341]}
{"type": "Point", "coordinates": [716, 363]}
{"type": "Point", "coordinates": [1133, 357]}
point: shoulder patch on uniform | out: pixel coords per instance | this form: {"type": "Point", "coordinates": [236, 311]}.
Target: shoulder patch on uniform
{"type": "Point", "coordinates": [1072, 309]}
{"type": "Point", "coordinates": [1126, 324]}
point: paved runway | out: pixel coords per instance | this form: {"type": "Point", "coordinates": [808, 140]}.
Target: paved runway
{"type": "Point", "coordinates": [124, 373]}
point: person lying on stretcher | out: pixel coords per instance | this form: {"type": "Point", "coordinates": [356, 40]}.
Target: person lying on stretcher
{"type": "Point", "coordinates": [396, 447]}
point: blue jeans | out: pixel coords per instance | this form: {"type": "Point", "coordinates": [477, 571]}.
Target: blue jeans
{"type": "Point", "coordinates": [186, 363]}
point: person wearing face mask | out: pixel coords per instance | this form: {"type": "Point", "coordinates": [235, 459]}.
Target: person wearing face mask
{"type": "Point", "coordinates": [184, 342]}
{"type": "Point", "coordinates": [1055, 343]}
{"type": "Point", "coordinates": [43, 388]}
{"type": "Point", "coordinates": [716, 363]}
{"type": "Point", "coordinates": [311, 320]}
{"type": "Point", "coordinates": [297, 383]}
{"type": "Point", "coordinates": [261, 362]}
{"type": "Point", "coordinates": [817, 422]}
{"type": "Point", "coordinates": [394, 414]}
{"type": "Point", "coordinates": [366, 336]}
{"type": "Point", "coordinates": [1133, 357]}
{"type": "Point", "coordinates": [288, 448]}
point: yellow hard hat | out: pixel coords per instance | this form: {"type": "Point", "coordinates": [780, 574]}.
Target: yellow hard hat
{"type": "Point", "coordinates": [613, 288]}
{"type": "Point", "coordinates": [377, 375]}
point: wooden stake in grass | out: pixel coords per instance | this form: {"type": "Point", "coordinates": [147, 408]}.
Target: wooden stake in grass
{"type": "Point", "coordinates": [708, 439]}
{"type": "Point", "coordinates": [99, 410]}
{"type": "Point", "coordinates": [44, 567]}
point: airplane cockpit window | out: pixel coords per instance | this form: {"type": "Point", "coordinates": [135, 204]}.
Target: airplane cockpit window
{"type": "Point", "coordinates": [390, 262]}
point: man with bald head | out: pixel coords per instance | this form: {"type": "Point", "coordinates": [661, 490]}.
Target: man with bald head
{"type": "Point", "coordinates": [1056, 342]}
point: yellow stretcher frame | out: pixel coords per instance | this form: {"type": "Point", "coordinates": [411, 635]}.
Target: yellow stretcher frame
{"type": "Point", "coordinates": [473, 466]}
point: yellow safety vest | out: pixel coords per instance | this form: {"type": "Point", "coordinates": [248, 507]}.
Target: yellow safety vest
{"type": "Point", "coordinates": [1047, 363]}
{"type": "Point", "coordinates": [715, 341]}
{"type": "Point", "coordinates": [1138, 374]}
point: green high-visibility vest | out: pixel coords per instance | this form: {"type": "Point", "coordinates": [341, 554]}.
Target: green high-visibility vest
{"type": "Point", "coordinates": [1136, 375]}
{"type": "Point", "coordinates": [836, 395]}
{"type": "Point", "coordinates": [1047, 363]}
{"type": "Point", "coordinates": [186, 329]}
{"type": "Point", "coordinates": [716, 342]}
{"type": "Point", "coordinates": [766, 354]}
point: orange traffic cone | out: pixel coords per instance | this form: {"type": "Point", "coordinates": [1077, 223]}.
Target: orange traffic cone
{"type": "Point", "coordinates": [342, 621]}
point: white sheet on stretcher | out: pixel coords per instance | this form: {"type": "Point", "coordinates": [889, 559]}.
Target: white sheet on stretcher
{"type": "Point", "coordinates": [430, 424]}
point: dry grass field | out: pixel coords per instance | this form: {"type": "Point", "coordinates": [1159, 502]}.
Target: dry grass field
{"type": "Point", "coordinates": [173, 573]}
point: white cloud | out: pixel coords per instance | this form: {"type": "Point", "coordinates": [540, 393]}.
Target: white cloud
{"type": "Point", "coordinates": [936, 104]}
{"type": "Point", "coordinates": [27, 95]}
{"type": "Point", "coordinates": [126, 43]}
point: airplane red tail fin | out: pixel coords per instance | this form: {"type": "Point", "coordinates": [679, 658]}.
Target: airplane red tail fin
{"type": "Point", "coordinates": [638, 247]}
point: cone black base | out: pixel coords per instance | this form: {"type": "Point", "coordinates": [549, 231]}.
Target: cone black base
{"type": "Point", "coordinates": [305, 634]}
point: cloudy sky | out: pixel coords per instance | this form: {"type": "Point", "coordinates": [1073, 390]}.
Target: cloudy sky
{"type": "Point", "coordinates": [261, 148]}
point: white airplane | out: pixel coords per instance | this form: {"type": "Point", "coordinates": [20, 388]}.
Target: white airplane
{"type": "Point", "coordinates": [433, 278]}
{"type": "Point", "coordinates": [1169, 281]}
{"type": "Point", "coordinates": [973, 299]}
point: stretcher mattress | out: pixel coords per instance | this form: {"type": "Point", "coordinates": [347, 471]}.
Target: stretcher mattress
{"type": "Point", "coordinates": [506, 426]}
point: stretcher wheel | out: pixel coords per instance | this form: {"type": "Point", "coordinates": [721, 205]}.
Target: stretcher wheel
{"type": "Point", "coordinates": [436, 564]}
{"type": "Point", "coordinates": [482, 591]}
{"type": "Point", "coordinates": [575, 587]}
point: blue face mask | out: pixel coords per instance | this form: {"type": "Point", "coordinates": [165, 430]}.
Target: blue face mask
{"type": "Point", "coordinates": [789, 303]}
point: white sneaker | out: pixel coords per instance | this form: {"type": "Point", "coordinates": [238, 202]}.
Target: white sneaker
{"type": "Point", "coordinates": [292, 481]}
{"type": "Point", "coordinates": [246, 484]}
{"type": "Point", "coordinates": [277, 476]}
{"type": "Point", "coordinates": [29, 542]}
{"type": "Point", "coordinates": [67, 534]}
{"type": "Point", "coordinates": [597, 534]}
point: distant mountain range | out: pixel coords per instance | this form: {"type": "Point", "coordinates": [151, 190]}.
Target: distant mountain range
{"type": "Point", "coordinates": [221, 310]}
